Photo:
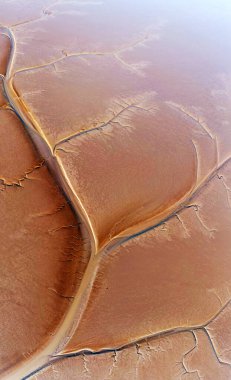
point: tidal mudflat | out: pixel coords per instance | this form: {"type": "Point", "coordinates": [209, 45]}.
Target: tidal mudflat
{"type": "Point", "coordinates": [115, 190]}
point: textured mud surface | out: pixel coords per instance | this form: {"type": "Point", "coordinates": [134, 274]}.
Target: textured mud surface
{"type": "Point", "coordinates": [115, 190]}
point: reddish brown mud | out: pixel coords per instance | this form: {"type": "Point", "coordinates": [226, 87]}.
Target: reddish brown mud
{"type": "Point", "coordinates": [115, 126]}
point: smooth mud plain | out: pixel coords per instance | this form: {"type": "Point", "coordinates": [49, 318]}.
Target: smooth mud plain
{"type": "Point", "coordinates": [115, 190]}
